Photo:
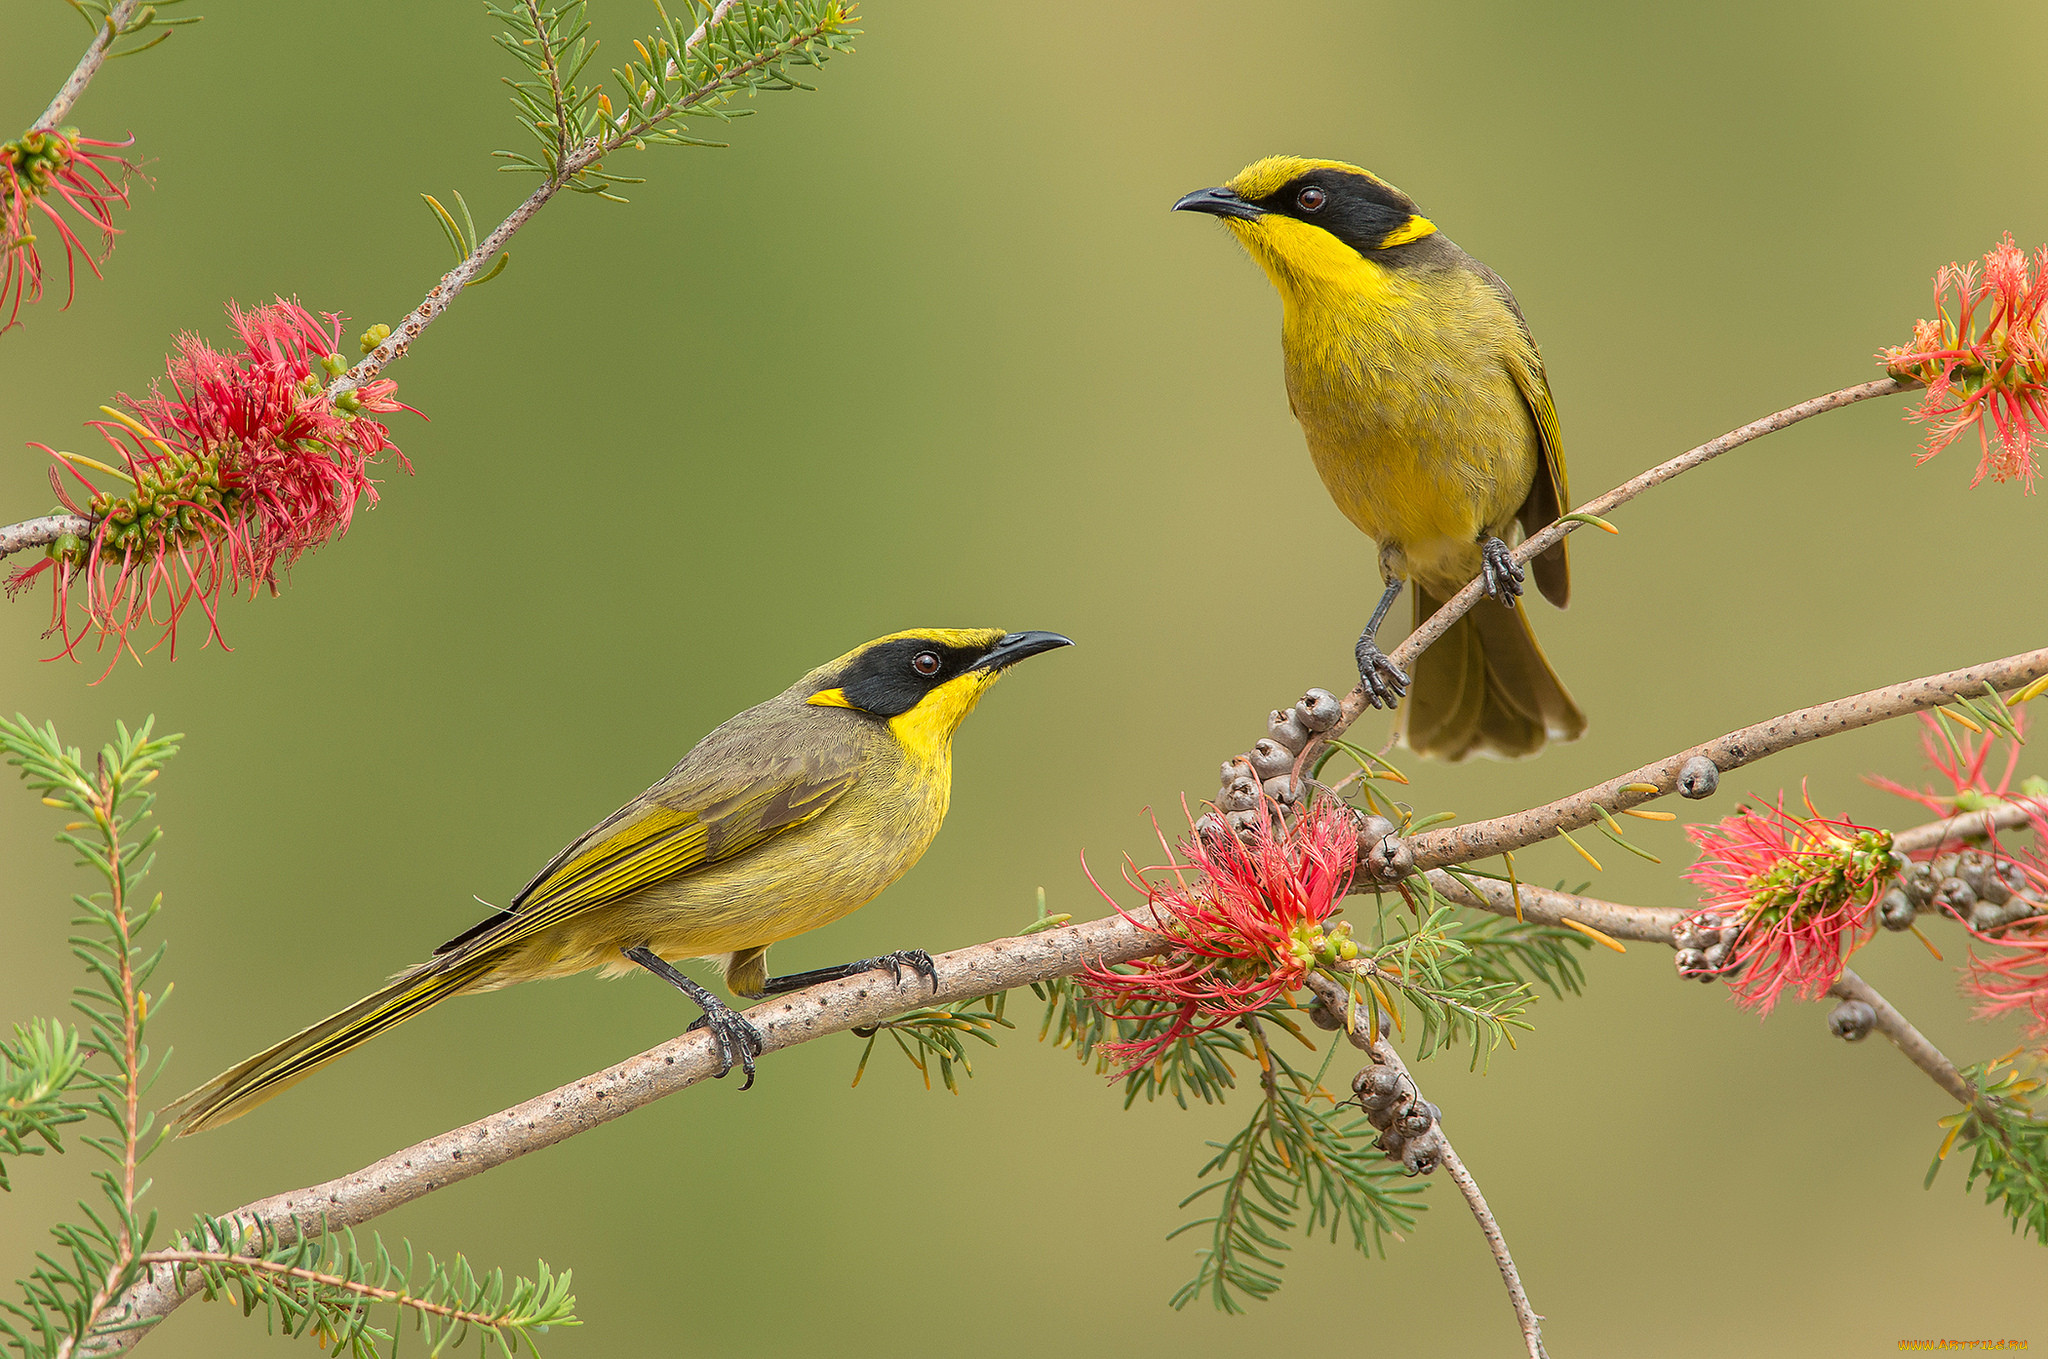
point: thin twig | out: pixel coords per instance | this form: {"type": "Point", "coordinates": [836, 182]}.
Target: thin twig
{"type": "Point", "coordinates": [41, 532]}
{"type": "Point", "coordinates": [583, 156]}
{"type": "Point", "coordinates": [258, 1265]}
{"type": "Point", "coordinates": [1338, 1002]}
{"type": "Point", "coordinates": [1482, 839]}
{"type": "Point", "coordinates": [1912, 1043]}
{"type": "Point", "coordinates": [89, 65]}
{"type": "Point", "coordinates": [438, 1162]}
{"type": "Point", "coordinates": [1953, 830]}
{"type": "Point", "coordinates": [1546, 906]}
{"type": "Point", "coordinates": [1654, 924]}
{"type": "Point", "coordinates": [107, 812]}
{"type": "Point", "coordinates": [1454, 608]}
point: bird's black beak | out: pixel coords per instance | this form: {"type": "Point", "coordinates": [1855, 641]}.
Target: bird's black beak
{"type": "Point", "coordinates": [1220, 203]}
{"type": "Point", "coordinates": [1016, 646]}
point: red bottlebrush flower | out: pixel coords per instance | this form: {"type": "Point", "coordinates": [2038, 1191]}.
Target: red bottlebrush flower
{"type": "Point", "coordinates": [1984, 360]}
{"type": "Point", "coordinates": [237, 465]}
{"type": "Point", "coordinates": [2008, 970]}
{"type": "Point", "coordinates": [1248, 926]}
{"type": "Point", "coordinates": [2008, 964]}
{"type": "Point", "coordinates": [1960, 757]}
{"type": "Point", "coordinates": [2014, 979]}
{"type": "Point", "coordinates": [39, 174]}
{"type": "Point", "coordinates": [1798, 894]}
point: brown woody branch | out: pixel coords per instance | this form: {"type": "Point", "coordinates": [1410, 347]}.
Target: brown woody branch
{"type": "Point", "coordinates": [43, 531]}
{"type": "Point", "coordinates": [1480, 839]}
{"type": "Point", "coordinates": [1546, 906]}
{"type": "Point", "coordinates": [1912, 1043]}
{"type": "Point", "coordinates": [110, 30]}
{"type": "Point", "coordinates": [568, 165]}
{"type": "Point", "coordinates": [1459, 604]}
{"type": "Point", "coordinates": [584, 156]}
{"type": "Point", "coordinates": [1955, 830]}
{"type": "Point", "coordinates": [1654, 925]}
{"type": "Point", "coordinates": [595, 1100]}
{"type": "Point", "coordinates": [1337, 1001]}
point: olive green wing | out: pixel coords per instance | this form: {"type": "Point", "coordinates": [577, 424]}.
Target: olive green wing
{"type": "Point", "coordinates": [1549, 494]}
{"type": "Point", "coordinates": [683, 824]}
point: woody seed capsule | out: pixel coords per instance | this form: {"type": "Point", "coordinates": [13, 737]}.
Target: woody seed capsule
{"type": "Point", "coordinates": [1421, 1156]}
{"type": "Point", "coordinates": [1698, 777]}
{"type": "Point", "coordinates": [1285, 790]}
{"type": "Point", "coordinates": [1318, 710]}
{"type": "Point", "coordinates": [1895, 910]}
{"type": "Point", "coordinates": [1955, 895]}
{"type": "Point", "coordinates": [1390, 859]}
{"type": "Point", "coordinates": [1286, 728]}
{"type": "Point", "coordinates": [1918, 882]}
{"type": "Point", "coordinates": [1851, 1021]}
{"type": "Point", "coordinates": [1376, 1081]}
{"type": "Point", "coordinates": [1239, 795]}
{"type": "Point", "coordinates": [1270, 758]}
{"type": "Point", "coordinates": [1374, 828]}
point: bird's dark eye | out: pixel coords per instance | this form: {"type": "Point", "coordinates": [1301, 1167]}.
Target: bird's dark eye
{"type": "Point", "coordinates": [1311, 198]}
{"type": "Point", "coordinates": [925, 663]}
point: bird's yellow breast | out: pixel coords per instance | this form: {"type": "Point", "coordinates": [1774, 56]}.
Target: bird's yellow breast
{"type": "Point", "coordinates": [1402, 386]}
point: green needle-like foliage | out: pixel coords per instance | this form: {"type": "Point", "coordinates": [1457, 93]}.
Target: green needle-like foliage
{"type": "Point", "coordinates": [38, 1071]}
{"type": "Point", "coordinates": [52, 1075]}
{"type": "Point", "coordinates": [747, 49]}
{"type": "Point", "coordinates": [330, 1288]}
{"type": "Point", "coordinates": [938, 1034]}
{"type": "Point", "coordinates": [2009, 1154]}
{"type": "Point", "coordinates": [1297, 1164]}
{"type": "Point", "coordinates": [64, 1298]}
{"type": "Point", "coordinates": [142, 29]}
{"type": "Point", "coordinates": [1470, 980]}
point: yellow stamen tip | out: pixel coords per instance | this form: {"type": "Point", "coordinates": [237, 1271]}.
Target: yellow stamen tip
{"type": "Point", "coordinates": [1593, 934]}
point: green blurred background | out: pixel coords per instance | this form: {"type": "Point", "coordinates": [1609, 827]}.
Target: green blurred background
{"type": "Point", "coordinates": [926, 348]}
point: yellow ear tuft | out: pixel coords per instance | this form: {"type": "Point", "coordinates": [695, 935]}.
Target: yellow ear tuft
{"type": "Point", "coordinates": [829, 698]}
{"type": "Point", "coordinates": [1414, 229]}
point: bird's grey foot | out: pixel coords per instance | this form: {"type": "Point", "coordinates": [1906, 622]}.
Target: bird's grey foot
{"type": "Point", "coordinates": [1499, 572]}
{"type": "Point", "coordinates": [1384, 683]}
{"type": "Point", "coordinates": [738, 1040]}
{"type": "Point", "coordinates": [916, 959]}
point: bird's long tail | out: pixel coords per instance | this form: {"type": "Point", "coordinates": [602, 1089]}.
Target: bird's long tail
{"type": "Point", "coordinates": [241, 1088]}
{"type": "Point", "coordinates": [1485, 686]}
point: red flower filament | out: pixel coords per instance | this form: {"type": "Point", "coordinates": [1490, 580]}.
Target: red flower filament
{"type": "Point", "coordinates": [1961, 757]}
{"type": "Point", "coordinates": [1799, 892]}
{"type": "Point", "coordinates": [1248, 926]}
{"type": "Point", "coordinates": [236, 465]}
{"type": "Point", "coordinates": [2007, 971]}
{"type": "Point", "coordinates": [40, 174]}
{"type": "Point", "coordinates": [1984, 360]}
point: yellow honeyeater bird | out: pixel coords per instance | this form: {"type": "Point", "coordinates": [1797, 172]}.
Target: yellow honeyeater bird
{"type": "Point", "coordinates": [787, 817]}
{"type": "Point", "coordinates": [1428, 414]}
